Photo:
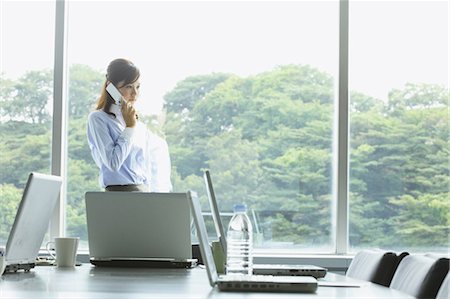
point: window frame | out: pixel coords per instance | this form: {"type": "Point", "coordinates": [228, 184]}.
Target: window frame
{"type": "Point", "coordinates": [60, 116]}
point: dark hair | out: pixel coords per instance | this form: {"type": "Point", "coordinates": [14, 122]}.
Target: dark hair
{"type": "Point", "coordinates": [119, 70]}
{"type": "Point", "coordinates": [122, 70]}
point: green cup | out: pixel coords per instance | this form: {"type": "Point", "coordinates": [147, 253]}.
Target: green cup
{"type": "Point", "coordinates": [219, 257]}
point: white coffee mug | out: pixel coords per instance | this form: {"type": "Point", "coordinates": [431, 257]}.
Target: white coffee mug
{"type": "Point", "coordinates": [66, 251]}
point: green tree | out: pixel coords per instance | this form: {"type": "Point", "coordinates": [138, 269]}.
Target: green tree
{"type": "Point", "coordinates": [31, 97]}
{"type": "Point", "coordinates": [25, 147]}
{"type": "Point", "coordinates": [188, 92]}
{"type": "Point", "coordinates": [250, 132]}
{"type": "Point", "coordinates": [84, 89]}
{"type": "Point", "coordinates": [399, 157]}
{"type": "Point", "coordinates": [7, 91]}
{"type": "Point", "coordinates": [417, 95]}
{"type": "Point", "coordinates": [9, 202]}
{"type": "Point", "coordinates": [422, 221]}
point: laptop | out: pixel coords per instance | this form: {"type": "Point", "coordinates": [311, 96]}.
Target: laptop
{"type": "Point", "coordinates": [260, 269]}
{"type": "Point", "coordinates": [31, 222]}
{"type": "Point", "coordinates": [139, 229]}
{"type": "Point", "coordinates": [253, 283]}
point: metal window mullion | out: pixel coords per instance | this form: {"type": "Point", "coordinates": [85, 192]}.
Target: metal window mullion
{"type": "Point", "coordinates": [342, 208]}
{"type": "Point", "coordinates": [58, 158]}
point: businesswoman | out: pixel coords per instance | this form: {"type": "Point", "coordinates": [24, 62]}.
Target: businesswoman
{"type": "Point", "coordinates": [129, 156]}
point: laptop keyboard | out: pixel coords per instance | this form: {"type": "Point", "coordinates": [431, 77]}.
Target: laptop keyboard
{"type": "Point", "coordinates": [266, 278]}
{"type": "Point", "coordinates": [238, 277]}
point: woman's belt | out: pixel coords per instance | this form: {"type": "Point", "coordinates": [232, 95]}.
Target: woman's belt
{"type": "Point", "coordinates": [128, 188]}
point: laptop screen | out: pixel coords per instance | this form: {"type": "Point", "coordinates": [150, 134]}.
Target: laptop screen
{"type": "Point", "coordinates": [130, 225]}
{"type": "Point", "coordinates": [203, 238]}
{"type": "Point", "coordinates": [215, 210]}
{"type": "Point", "coordinates": [32, 219]}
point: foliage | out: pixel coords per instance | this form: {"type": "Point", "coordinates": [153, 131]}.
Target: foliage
{"type": "Point", "coordinates": [84, 89]}
{"type": "Point", "coordinates": [268, 141]}
{"type": "Point", "coordinates": [9, 202]}
{"type": "Point", "coordinates": [28, 98]}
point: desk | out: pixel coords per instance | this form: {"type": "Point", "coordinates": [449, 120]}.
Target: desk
{"type": "Point", "coordinates": [87, 281]}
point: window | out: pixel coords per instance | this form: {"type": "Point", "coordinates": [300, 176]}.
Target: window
{"type": "Point", "coordinates": [243, 89]}
{"type": "Point", "coordinates": [26, 91]}
{"type": "Point", "coordinates": [399, 175]}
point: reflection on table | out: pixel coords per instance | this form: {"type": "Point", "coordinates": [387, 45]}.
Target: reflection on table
{"type": "Point", "coordinates": [88, 281]}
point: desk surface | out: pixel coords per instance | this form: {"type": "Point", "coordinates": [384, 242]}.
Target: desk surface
{"type": "Point", "coordinates": [93, 282]}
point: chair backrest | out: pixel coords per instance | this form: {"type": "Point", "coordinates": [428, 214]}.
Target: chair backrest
{"type": "Point", "coordinates": [419, 276]}
{"type": "Point", "coordinates": [434, 278]}
{"type": "Point", "coordinates": [377, 266]}
{"type": "Point", "coordinates": [444, 290]}
{"type": "Point", "coordinates": [364, 264]}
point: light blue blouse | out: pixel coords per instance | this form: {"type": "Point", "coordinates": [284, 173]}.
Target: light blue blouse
{"type": "Point", "coordinates": [128, 155]}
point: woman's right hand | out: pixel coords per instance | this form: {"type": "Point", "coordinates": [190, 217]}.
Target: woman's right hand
{"type": "Point", "coordinates": [129, 115]}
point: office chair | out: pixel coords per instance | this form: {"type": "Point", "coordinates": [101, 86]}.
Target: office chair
{"type": "Point", "coordinates": [420, 276]}
{"type": "Point", "coordinates": [434, 278]}
{"type": "Point", "coordinates": [376, 266]}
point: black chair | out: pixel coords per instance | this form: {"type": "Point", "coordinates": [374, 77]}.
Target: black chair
{"type": "Point", "coordinates": [376, 266]}
{"type": "Point", "coordinates": [434, 278]}
{"type": "Point", "coordinates": [420, 276]}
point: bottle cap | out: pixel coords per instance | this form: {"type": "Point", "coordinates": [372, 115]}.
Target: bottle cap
{"type": "Point", "coordinates": [241, 207]}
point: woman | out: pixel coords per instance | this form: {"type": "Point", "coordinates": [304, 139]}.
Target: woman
{"type": "Point", "coordinates": [129, 156]}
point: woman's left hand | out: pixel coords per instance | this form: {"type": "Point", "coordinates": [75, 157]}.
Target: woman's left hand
{"type": "Point", "coordinates": [129, 115]}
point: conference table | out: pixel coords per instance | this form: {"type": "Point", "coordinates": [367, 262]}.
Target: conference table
{"type": "Point", "coordinates": [87, 281]}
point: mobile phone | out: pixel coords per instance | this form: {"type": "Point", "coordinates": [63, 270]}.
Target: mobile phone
{"type": "Point", "coordinates": [115, 94]}
{"type": "Point", "coordinates": [117, 97]}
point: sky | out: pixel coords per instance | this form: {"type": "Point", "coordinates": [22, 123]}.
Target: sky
{"type": "Point", "coordinates": [391, 43]}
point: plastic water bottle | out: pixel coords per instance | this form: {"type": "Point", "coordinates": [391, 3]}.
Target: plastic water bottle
{"type": "Point", "coordinates": [240, 242]}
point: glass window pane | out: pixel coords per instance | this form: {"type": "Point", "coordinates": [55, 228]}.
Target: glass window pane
{"type": "Point", "coordinates": [399, 174]}
{"type": "Point", "coordinates": [26, 94]}
{"type": "Point", "coordinates": [245, 89]}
